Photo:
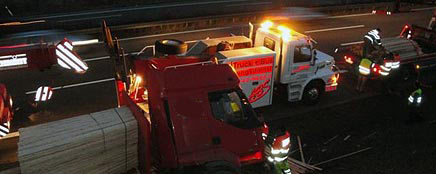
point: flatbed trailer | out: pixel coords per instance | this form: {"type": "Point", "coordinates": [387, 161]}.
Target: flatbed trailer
{"type": "Point", "coordinates": [414, 46]}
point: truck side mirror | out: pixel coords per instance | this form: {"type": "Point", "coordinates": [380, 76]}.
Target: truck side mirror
{"type": "Point", "coordinates": [314, 58]}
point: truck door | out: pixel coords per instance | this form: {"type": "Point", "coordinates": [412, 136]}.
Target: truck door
{"type": "Point", "coordinates": [273, 45]}
{"type": "Point", "coordinates": [300, 62]}
{"type": "Point", "coordinates": [234, 122]}
{"type": "Point", "coordinates": [188, 119]}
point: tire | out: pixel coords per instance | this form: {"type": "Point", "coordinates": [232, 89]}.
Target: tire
{"type": "Point", "coordinates": [312, 93]}
{"type": "Point", "coordinates": [171, 46]}
{"type": "Point", "coordinates": [220, 167]}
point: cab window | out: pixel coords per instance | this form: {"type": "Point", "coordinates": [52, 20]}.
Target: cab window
{"type": "Point", "coordinates": [232, 107]}
{"type": "Point", "coordinates": [302, 54]}
{"type": "Point", "coordinates": [269, 43]}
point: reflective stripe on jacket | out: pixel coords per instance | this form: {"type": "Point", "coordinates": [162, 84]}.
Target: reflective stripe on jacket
{"type": "Point", "coordinates": [280, 148]}
{"type": "Point", "coordinates": [373, 37]}
{"type": "Point", "coordinates": [386, 68]}
{"type": "Point", "coordinates": [415, 98]}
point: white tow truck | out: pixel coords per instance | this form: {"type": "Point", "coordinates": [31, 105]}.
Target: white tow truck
{"type": "Point", "coordinates": [279, 56]}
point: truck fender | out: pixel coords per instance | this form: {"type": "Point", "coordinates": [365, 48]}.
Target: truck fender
{"type": "Point", "coordinates": [230, 157]}
{"type": "Point", "coordinates": [317, 80]}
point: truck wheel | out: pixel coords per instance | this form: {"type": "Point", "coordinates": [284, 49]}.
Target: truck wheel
{"type": "Point", "coordinates": [171, 46]}
{"type": "Point", "coordinates": [221, 167]}
{"type": "Point", "coordinates": [312, 93]}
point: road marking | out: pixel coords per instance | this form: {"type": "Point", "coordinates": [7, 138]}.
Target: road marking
{"type": "Point", "coordinates": [333, 29]}
{"type": "Point", "coordinates": [76, 85]}
{"type": "Point", "coordinates": [21, 23]}
{"type": "Point", "coordinates": [97, 17]}
{"type": "Point", "coordinates": [143, 8]}
{"type": "Point", "coordinates": [96, 58]}
{"type": "Point", "coordinates": [352, 15]}
{"type": "Point", "coordinates": [256, 3]}
{"type": "Point", "coordinates": [351, 43]}
{"type": "Point", "coordinates": [85, 42]}
{"type": "Point", "coordinates": [175, 33]}
{"type": "Point", "coordinates": [422, 9]}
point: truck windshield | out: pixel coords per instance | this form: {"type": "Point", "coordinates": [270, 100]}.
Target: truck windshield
{"type": "Point", "coordinates": [232, 107]}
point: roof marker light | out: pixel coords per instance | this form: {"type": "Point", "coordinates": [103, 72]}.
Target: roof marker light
{"type": "Point", "coordinates": [267, 24]}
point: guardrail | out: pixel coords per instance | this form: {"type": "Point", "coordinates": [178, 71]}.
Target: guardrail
{"type": "Point", "coordinates": [187, 24]}
{"type": "Point", "coordinates": [219, 21]}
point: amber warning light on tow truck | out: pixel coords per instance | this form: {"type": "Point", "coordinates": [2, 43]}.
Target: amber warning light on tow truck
{"type": "Point", "coordinates": [284, 32]}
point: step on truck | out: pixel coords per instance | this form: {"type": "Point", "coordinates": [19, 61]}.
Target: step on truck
{"type": "Point", "coordinates": [276, 58]}
{"type": "Point", "coordinates": [199, 117]}
{"type": "Point", "coordinates": [414, 48]}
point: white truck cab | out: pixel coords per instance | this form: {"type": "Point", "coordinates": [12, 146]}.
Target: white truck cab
{"type": "Point", "coordinates": [303, 71]}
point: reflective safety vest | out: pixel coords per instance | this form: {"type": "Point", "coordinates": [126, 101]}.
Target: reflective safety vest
{"type": "Point", "coordinates": [385, 68]}
{"type": "Point", "coordinates": [365, 66]}
{"type": "Point", "coordinates": [415, 98]}
{"type": "Point", "coordinates": [373, 37]}
{"type": "Point", "coordinates": [280, 148]}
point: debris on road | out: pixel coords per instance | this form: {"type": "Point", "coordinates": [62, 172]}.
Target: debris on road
{"type": "Point", "coordinates": [369, 136]}
{"type": "Point", "coordinates": [343, 156]}
{"type": "Point", "coordinates": [347, 137]}
{"type": "Point", "coordinates": [331, 139]}
{"type": "Point", "coordinates": [299, 167]}
{"type": "Point", "coordinates": [301, 149]}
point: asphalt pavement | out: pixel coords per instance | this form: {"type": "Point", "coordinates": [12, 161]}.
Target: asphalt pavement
{"type": "Point", "coordinates": [94, 90]}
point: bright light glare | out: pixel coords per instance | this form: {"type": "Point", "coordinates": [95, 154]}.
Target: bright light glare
{"type": "Point", "coordinates": [286, 33]}
{"type": "Point", "coordinates": [138, 79]}
{"type": "Point", "coordinates": [267, 24]}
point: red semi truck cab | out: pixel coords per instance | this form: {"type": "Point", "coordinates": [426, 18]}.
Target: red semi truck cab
{"type": "Point", "coordinates": [197, 112]}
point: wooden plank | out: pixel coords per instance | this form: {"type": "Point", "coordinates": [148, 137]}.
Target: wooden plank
{"type": "Point", "coordinates": [101, 142]}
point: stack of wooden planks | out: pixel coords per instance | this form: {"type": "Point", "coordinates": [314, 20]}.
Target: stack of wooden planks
{"type": "Point", "coordinates": [298, 167]}
{"type": "Point", "coordinates": [102, 142]}
{"type": "Point", "coordinates": [405, 48]}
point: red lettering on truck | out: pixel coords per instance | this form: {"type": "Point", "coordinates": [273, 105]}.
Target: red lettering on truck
{"type": "Point", "coordinates": [252, 62]}
{"type": "Point", "coordinates": [253, 71]}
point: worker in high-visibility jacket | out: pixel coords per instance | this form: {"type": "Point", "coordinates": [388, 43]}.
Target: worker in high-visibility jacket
{"type": "Point", "coordinates": [371, 42]}
{"type": "Point", "coordinates": [394, 75]}
{"type": "Point", "coordinates": [364, 71]}
{"type": "Point", "coordinates": [385, 72]}
{"type": "Point", "coordinates": [278, 144]}
{"type": "Point", "coordinates": [385, 67]}
{"type": "Point", "coordinates": [415, 100]}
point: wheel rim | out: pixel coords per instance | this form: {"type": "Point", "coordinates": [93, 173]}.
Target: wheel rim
{"type": "Point", "coordinates": [313, 93]}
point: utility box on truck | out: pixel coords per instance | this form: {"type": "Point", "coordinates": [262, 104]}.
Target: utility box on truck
{"type": "Point", "coordinates": [254, 67]}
